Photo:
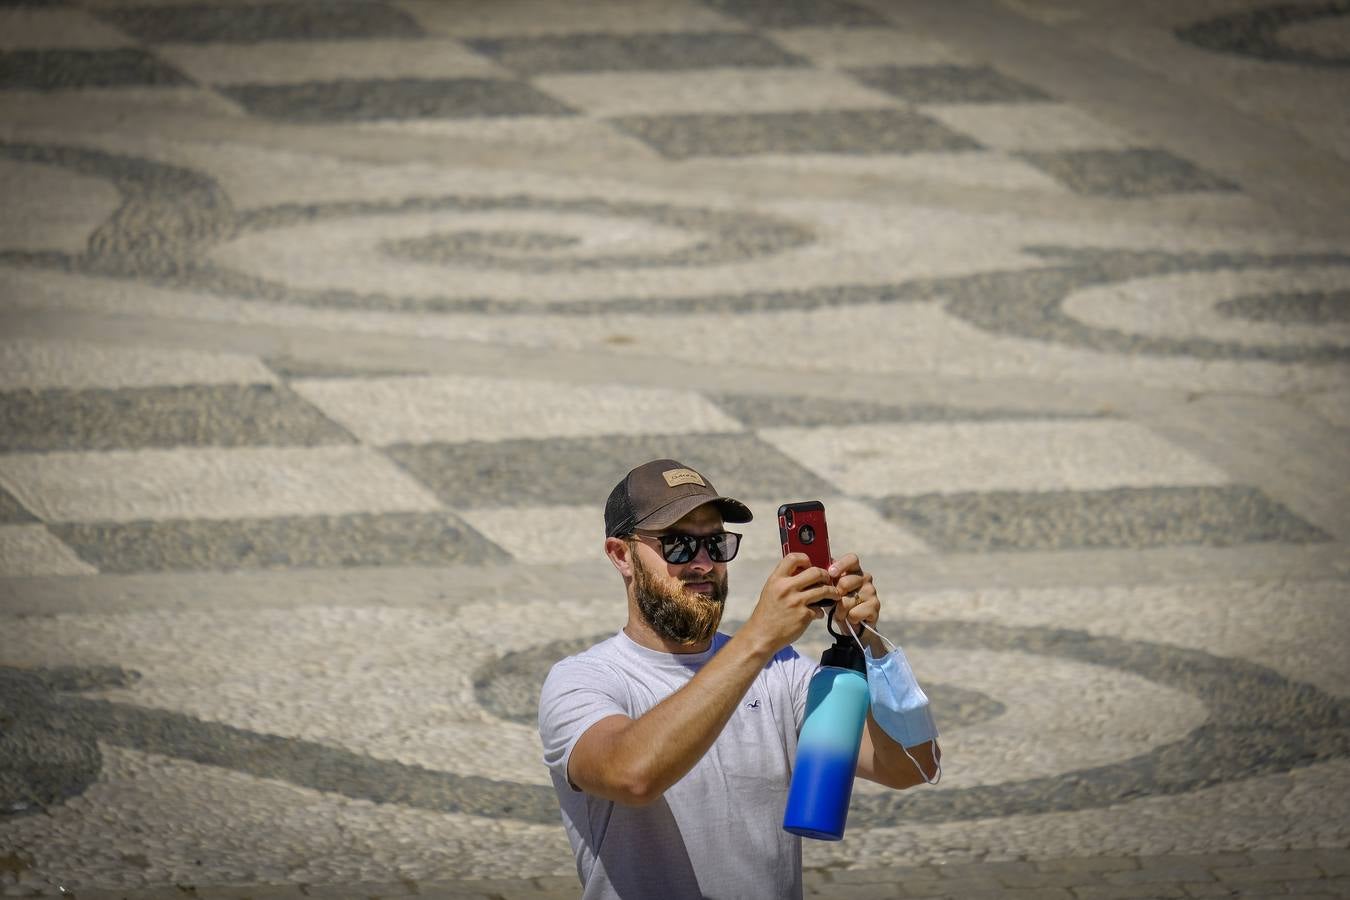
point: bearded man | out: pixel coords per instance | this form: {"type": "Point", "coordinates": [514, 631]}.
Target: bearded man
{"type": "Point", "coordinates": [671, 744]}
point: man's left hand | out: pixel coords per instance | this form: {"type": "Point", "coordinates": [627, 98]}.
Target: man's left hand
{"type": "Point", "coordinates": [859, 602]}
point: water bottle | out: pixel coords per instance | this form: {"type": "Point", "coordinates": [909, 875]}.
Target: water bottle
{"type": "Point", "coordinates": [827, 749]}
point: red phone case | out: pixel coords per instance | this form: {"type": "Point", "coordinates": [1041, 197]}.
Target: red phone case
{"type": "Point", "coordinates": [802, 529]}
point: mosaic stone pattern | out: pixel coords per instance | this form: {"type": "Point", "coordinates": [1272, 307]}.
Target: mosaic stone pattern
{"type": "Point", "coordinates": [51, 70]}
{"type": "Point", "coordinates": [328, 326]}
{"type": "Point", "coordinates": [1256, 32]}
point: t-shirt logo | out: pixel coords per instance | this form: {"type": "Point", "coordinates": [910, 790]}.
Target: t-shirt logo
{"type": "Point", "coordinates": [753, 705]}
{"type": "Point", "coordinates": [676, 477]}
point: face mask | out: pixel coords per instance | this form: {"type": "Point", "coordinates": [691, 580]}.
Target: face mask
{"type": "Point", "coordinates": [899, 705]}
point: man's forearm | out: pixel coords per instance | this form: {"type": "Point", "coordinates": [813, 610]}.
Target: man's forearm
{"type": "Point", "coordinates": [659, 748]}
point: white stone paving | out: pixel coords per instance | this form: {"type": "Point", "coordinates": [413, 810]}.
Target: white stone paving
{"type": "Point", "coordinates": [33, 550]}
{"type": "Point", "coordinates": [953, 457]}
{"type": "Point", "coordinates": [455, 409]}
{"type": "Point", "coordinates": [1301, 809]}
{"type": "Point", "coordinates": [29, 28]}
{"type": "Point", "coordinates": [542, 535]}
{"type": "Point", "coordinates": [1295, 627]}
{"type": "Point", "coordinates": [850, 47]}
{"type": "Point", "coordinates": [1029, 126]}
{"type": "Point", "coordinates": [855, 528]}
{"type": "Point", "coordinates": [711, 91]}
{"type": "Point", "coordinates": [51, 209]}
{"type": "Point", "coordinates": [129, 485]}
{"type": "Point", "coordinates": [1183, 306]}
{"type": "Point", "coordinates": [1334, 406]}
{"type": "Point", "coordinates": [989, 170]}
{"type": "Point", "coordinates": [39, 364]}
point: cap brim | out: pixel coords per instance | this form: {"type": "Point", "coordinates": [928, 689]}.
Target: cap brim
{"type": "Point", "coordinates": [731, 510]}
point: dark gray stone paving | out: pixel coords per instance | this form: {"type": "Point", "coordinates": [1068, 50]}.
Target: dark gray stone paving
{"type": "Point", "coordinates": [785, 411]}
{"type": "Point", "coordinates": [49, 723]}
{"type": "Point", "coordinates": [52, 70]}
{"type": "Point", "coordinates": [1135, 172]}
{"type": "Point", "coordinates": [485, 248]}
{"type": "Point", "coordinates": [582, 471]}
{"type": "Point", "coordinates": [245, 23]}
{"type": "Point", "coordinates": [1121, 518]}
{"type": "Point", "coordinates": [1030, 304]}
{"type": "Point", "coordinates": [1330, 307]}
{"type": "Point", "coordinates": [178, 416]}
{"type": "Point", "coordinates": [1256, 32]}
{"type": "Point", "coordinates": [12, 512]}
{"type": "Point", "coordinates": [401, 98]}
{"type": "Point", "coordinates": [948, 84]}
{"type": "Point", "coordinates": [798, 13]}
{"type": "Point", "coordinates": [644, 52]}
{"type": "Point", "coordinates": [856, 132]}
{"type": "Point", "coordinates": [366, 539]}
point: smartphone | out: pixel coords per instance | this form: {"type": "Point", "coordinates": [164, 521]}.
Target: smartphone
{"type": "Point", "coordinates": [802, 529]}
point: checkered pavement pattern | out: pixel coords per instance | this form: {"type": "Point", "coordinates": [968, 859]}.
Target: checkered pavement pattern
{"type": "Point", "coordinates": [725, 80]}
{"type": "Point", "coordinates": [151, 460]}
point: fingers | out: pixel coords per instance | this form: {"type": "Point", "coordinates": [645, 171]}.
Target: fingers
{"type": "Point", "coordinates": [858, 602]}
{"type": "Point", "coordinates": [852, 584]}
{"type": "Point", "coordinates": [792, 563]}
{"type": "Point", "coordinates": [844, 565]}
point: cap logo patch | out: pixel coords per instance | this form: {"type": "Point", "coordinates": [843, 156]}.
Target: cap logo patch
{"type": "Point", "coordinates": [676, 477]}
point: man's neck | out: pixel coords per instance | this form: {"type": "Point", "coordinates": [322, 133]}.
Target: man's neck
{"type": "Point", "coordinates": [642, 634]}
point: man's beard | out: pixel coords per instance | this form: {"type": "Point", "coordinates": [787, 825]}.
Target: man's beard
{"type": "Point", "coordinates": [677, 614]}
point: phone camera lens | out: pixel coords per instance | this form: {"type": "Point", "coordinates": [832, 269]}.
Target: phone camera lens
{"type": "Point", "coordinates": [807, 533]}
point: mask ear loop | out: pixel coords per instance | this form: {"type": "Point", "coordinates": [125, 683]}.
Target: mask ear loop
{"type": "Point", "coordinates": [829, 626]}
{"type": "Point", "coordinates": [937, 750]}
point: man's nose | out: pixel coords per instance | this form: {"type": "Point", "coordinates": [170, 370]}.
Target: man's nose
{"type": "Point", "coordinates": [702, 560]}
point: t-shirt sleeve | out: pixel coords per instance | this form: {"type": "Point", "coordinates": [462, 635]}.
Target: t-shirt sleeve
{"type": "Point", "coordinates": [576, 695]}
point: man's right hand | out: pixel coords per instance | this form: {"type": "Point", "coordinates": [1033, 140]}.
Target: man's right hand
{"type": "Point", "coordinates": [784, 610]}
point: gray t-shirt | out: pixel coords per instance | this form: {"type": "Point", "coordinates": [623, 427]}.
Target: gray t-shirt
{"type": "Point", "coordinates": [718, 831]}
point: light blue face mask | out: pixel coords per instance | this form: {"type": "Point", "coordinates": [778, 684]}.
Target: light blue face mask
{"type": "Point", "coordinates": [899, 705]}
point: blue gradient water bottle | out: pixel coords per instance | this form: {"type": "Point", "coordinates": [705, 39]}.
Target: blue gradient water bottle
{"type": "Point", "coordinates": [827, 749]}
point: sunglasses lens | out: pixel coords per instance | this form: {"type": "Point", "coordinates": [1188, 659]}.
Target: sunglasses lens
{"type": "Point", "coordinates": [722, 547]}
{"type": "Point", "coordinates": [678, 548]}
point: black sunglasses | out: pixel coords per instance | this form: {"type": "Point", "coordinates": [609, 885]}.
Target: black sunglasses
{"type": "Point", "coordinates": [681, 548]}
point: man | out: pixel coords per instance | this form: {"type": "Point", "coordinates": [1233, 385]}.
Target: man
{"type": "Point", "coordinates": [671, 744]}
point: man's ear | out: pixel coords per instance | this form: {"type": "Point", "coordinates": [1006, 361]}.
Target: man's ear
{"type": "Point", "coordinates": [617, 550]}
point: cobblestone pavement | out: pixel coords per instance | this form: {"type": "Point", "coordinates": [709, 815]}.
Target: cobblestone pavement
{"type": "Point", "coordinates": [326, 328]}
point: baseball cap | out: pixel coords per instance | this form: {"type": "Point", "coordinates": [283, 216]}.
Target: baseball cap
{"type": "Point", "coordinates": [660, 493]}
